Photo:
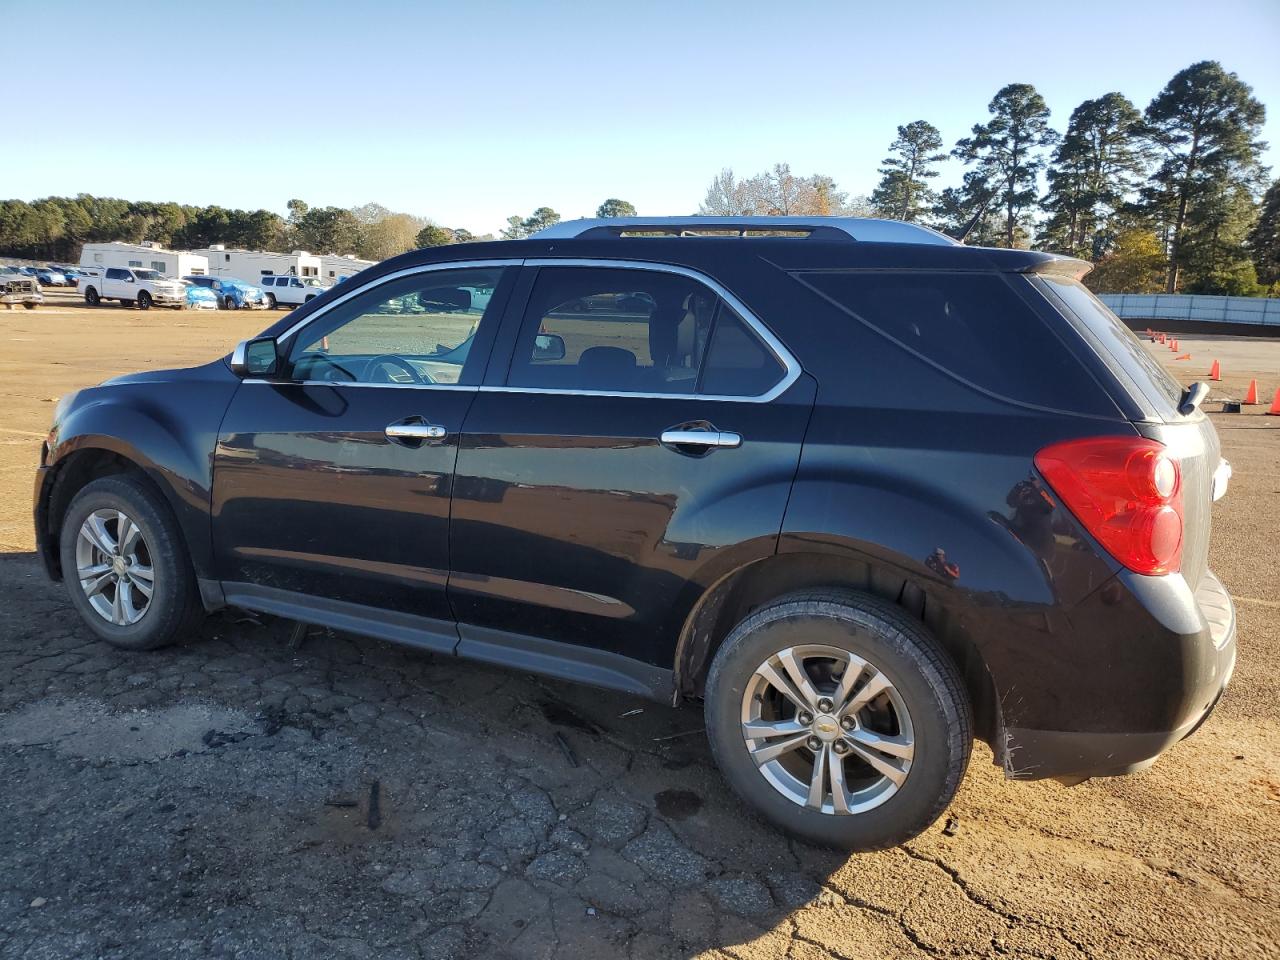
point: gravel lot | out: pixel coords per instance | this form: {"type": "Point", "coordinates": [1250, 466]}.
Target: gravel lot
{"type": "Point", "coordinates": [236, 796]}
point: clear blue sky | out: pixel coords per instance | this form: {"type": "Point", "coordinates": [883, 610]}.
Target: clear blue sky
{"type": "Point", "coordinates": [470, 112]}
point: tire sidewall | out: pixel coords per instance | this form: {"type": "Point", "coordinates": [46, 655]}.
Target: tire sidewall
{"type": "Point", "coordinates": [939, 739]}
{"type": "Point", "coordinates": [173, 580]}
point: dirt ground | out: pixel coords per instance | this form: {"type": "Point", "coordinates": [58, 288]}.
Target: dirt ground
{"type": "Point", "coordinates": [237, 797]}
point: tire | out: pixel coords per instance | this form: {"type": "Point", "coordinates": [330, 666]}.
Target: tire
{"type": "Point", "coordinates": [29, 305]}
{"type": "Point", "coordinates": [308, 299]}
{"type": "Point", "coordinates": [173, 608]}
{"type": "Point", "coordinates": [229, 304]}
{"type": "Point", "coordinates": [271, 301]}
{"type": "Point", "coordinates": [144, 300]}
{"type": "Point", "coordinates": [938, 719]}
{"type": "Point", "coordinates": [91, 297]}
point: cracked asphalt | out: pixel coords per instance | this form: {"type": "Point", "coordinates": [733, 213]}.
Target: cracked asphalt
{"type": "Point", "coordinates": [236, 796]}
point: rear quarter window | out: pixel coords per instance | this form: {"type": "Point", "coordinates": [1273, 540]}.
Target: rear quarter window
{"type": "Point", "coordinates": [973, 326]}
{"type": "Point", "coordinates": [1117, 342]}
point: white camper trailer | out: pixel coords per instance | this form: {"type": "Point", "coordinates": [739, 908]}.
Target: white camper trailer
{"type": "Point", "coordinates": [334, 268]}
{"type": "Point", "coordinates": [147, 255]}
{"type": "Point", "coordinates": [252, 265]}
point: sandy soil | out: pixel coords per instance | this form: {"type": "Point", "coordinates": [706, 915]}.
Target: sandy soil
{"type": "Point", "coordinates": [1182, 861]}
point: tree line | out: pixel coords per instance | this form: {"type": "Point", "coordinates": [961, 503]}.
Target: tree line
{"type": "Point", "coordinates": [1171, 198]}
{"type": "Point", "coordinates": [55, 228]}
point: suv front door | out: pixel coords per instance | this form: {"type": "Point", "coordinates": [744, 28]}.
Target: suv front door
{"type": "Point", "coordinates": [636, 437]}
{"type": "Point", "coordinates": [332, 482]}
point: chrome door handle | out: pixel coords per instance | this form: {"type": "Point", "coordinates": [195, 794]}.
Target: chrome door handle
{"type": "Point", "coordinates": [416, 431]}
{"type": "Point", "coordinates": [701, 438]}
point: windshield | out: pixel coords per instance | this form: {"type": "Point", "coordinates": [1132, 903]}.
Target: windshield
{"type": "Point", "coordinates": [147, 275]}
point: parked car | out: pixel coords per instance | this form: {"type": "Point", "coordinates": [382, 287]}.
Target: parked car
{"type": "Point", "coordinates": [865, 492]}
{"type": "Point", "coordinates": [201, 298]}
{"type": "Point", "coordinates": [17, 288]}
{"type": "Point", "coordinates": [290, 291]}
{"type": "Point", "coordinates": [232, 294]}
{"type": "Point", "coordinates": [50, 277]}
{"type": "Point", "coordinates": [130, 285]}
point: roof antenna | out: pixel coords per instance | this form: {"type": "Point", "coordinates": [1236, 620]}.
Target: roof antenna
{"type": "Point", "coordinates": [963, 234]}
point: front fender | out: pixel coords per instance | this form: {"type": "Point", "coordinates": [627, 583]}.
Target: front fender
{"type": "Point", "coordinates": [167, 427]}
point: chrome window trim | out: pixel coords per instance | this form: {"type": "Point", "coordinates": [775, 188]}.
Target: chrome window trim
{"type": "Point", "coordinates": [790, 365]}
{"type": "Point", "coordinates": [357, 383]}
{"type": "Point", "coordinates": [781, 353]}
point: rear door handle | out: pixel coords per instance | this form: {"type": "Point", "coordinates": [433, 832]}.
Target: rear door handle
{"type": "Point", "coordinates": [415, 429]}
{"type": "Point", "coordinates": [701, 438]}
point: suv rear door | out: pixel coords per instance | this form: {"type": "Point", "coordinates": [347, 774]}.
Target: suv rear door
{"type": "Point", "coordinates": [574, 521]}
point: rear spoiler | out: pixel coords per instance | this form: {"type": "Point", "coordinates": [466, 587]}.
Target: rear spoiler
{"type": "Point", "coordinates": [1054, 265]}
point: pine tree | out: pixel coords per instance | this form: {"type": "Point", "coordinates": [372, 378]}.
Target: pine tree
{"type": "Point", "coordinates": [904, 192]}
{"type": "Point", "coordinates": [1094, 169]}
{"type": "Point", "coordinates": [1264, 239]}
{"type": "Point", "coordinates": [1204, 125]}
{"type": "Point", "coordinates": [1008, 151]}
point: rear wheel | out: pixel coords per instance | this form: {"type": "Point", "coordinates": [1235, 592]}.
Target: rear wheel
{"type": "Point", "coordinates": [144, 300]}
{"type": "Point", "coordinates": [839, 718]}
{"type": "Point", "coordinates": [29, 305]}
{"type": "Point", "coordinates": [125, 565]}
{"type": "Point", "coordinates": [91, 297]}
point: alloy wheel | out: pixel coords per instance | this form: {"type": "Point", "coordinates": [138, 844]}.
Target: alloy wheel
{"type": "Point", "coordinates": [827, 729]}
{"type": "Point", "coordinates": [113, 565]}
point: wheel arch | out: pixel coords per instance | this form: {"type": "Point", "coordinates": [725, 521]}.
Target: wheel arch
{"type": "Point", "coordinates": [731, 598]}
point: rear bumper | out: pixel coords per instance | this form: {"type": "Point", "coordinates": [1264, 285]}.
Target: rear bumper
{"type": "Point", "coordinates": [1189, 681]}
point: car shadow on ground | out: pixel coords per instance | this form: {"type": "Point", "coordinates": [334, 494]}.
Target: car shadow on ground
{"type": "Point", "coordinates": [335, 796]}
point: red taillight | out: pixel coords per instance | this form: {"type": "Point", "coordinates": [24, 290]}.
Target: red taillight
{"type": "Point", "coordinates": [1127, 491]}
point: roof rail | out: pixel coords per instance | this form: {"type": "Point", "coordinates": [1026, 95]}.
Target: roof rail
{"type": "Point", "coordinates": [814, 228]}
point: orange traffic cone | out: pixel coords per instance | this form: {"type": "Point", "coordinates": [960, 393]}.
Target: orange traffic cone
{"type": "Point", "coordinates": [1185, 356]}
{"type": "Point", "coordinates": [1215, 372]}
{"type": "Point", "coordinates": [1174, 346]}
{"type": "Point", "coordinates": [1275, 405]}
{"type": "Point", "coordinates": [1162, 338]}
{"type": "Point", "coordinates": [1251, 397]}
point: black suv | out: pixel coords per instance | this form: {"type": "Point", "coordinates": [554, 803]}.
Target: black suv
{"type": "Point", "coordinates": [866, 492]}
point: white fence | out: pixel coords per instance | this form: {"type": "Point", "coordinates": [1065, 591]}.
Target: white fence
{"type": "Point", "coordinates": [1170, 306]}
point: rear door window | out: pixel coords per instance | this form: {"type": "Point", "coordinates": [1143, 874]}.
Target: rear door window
{"type": "Point", "coordinates": [971, 325]}
{"type": "Point", "coordinates": [605, 330]}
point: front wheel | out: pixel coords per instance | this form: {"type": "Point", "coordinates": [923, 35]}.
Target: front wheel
{"type": "Point", "coordinates": [229, 304]}
{"type": "Point", "coordinates": [144, 300]}
{"type": "Point", "coordinates": [839, 718]}
{"type": "Point", "coordinates": [125, 564]}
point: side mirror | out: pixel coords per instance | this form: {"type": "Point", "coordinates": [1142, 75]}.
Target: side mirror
{"type": "Point", "coordinates": [256, 358]}
{"type": "Point", "coordinates": [548, 346]}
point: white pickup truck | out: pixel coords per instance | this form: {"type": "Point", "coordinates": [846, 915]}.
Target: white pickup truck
{"type": "Point", "coordinates": [286, 290]}
{"type": "Point", "coordinates": [130, 285]}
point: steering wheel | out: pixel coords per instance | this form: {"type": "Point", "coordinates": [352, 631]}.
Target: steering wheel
{"type": "Point", "coordinates": [379, 365]}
